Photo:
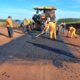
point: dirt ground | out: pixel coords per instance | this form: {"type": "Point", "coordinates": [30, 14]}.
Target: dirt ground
{"type": "Point", "coordinates": [73, 44]}
{"type": "Point", "coordinates": [59, 68]}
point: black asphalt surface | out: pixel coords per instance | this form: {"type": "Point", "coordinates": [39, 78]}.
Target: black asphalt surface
{"type": "Point", "coordinates": [28, 47]}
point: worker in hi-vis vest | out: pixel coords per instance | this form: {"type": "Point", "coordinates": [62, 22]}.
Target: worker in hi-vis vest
{"type": "Point", "coordinates": [51, 26]}
{"type": "Point", "coordinates": [26, 23]}
{"type": "Point", "coordinates": [72, 32]}
{"type": "Point", "coordinates": [9, 24]}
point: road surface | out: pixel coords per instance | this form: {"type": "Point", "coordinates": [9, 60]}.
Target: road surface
{"type": "Point", "coordinates": [26, 58]}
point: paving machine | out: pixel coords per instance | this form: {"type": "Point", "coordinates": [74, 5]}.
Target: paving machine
{"type": "Point", "coordinates": [42, 13]}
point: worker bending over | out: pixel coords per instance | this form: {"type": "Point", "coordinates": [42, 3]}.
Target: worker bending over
{"type": "Point", "coordinates": [26, 24]}
{"type": "Point", "coordinates": [72, 32]}
{"type": "Point", "coordinates": [51, 26]}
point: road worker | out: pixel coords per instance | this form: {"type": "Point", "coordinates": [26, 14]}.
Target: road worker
{"type": "Point", "coordinates": [26, 24]}
{"type": "Point", "coordinates": [51, 26]}
{"type": "Point", "coordinates": [72, 32]}
{"type": "Point", "coordinates": [63, 27]}
{"type": "Point", "coordinates": [9, 24]}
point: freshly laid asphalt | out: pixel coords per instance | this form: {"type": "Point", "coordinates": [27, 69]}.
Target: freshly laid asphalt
{"type": "Point", "coordinates": [28, 46]}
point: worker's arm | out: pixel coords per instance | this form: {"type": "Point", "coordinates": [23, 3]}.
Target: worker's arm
{"type": "Point", "coordinates": [43, 31]}
{"type": "Point", "coordinates": [46, 27]}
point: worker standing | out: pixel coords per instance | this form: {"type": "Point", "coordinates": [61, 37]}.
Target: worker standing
{"type": "Point", "coordinates": [9, 24]}
{"type": "Point", "coordinates": [52, 27]}
{"type": "Point", "coordinates": [63, 25]}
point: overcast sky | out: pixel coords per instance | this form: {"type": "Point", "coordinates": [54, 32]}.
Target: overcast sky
{"type": "Point", "coordinates": [20, 9]}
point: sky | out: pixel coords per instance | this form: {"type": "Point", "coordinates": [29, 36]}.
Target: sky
{"type": "Point", "coordinates": [20, 9]}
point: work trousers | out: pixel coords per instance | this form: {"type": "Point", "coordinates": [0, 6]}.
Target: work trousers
{"type": "Point", "coordinates": [10, 31]}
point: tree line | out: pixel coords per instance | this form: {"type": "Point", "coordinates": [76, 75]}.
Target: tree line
{"type": "Point", "coordinates": [69, 20]}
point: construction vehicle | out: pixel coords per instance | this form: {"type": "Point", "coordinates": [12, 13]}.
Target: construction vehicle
{"type": "Point", "coordinates": [42, 13]}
